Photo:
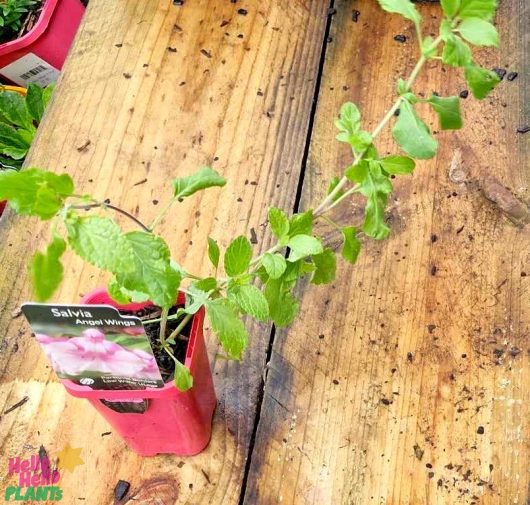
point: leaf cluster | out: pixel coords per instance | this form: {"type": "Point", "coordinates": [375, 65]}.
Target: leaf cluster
{"type": "Point", "coordinates": [12, 14]}
{"type": "Point", "coordinates": [19, 118]}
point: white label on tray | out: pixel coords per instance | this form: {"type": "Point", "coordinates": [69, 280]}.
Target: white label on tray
{"type": "Point", "coordinates": [30, 69]}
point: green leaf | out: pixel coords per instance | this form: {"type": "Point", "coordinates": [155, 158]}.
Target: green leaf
{"type": "Point", "coordinates": [483, 9]}
{"type": "Point", "coordinates": [326, 267]}
{"type": "Point", "coordinates": [376, 188]}
{"type": "Point", "coordinates": [304, 245]}
{"type": "Point", "coordinates": [352, 245]}
{"type": "Point", "coordinates": [374, 221]}
{"type": "Point", "coordinates": [332, 185]}
{"type": "Point", "coordinates": [479, 32]}
{"type": "Point", "coordinates": [227, 326]}
{"type": "Point", "coordinates": [283, 307]}
{"type": "Point", "coordinates": [274, 265]}
{"type": "Point", "coordinates": [204, 178]}
{"type": "Point", "coordinates": [13, 108]}
{"type": "Point", "coordinates": [349, 120]}
{"type": "Point", "coordinates": [251, 301]}
{"type": "Point", "coordinates": [17, 153]}
{"type": "Point", "coordinates": [35, 101]}
{"type": "Point", "coordinates": [404, 7]}
{"type": "Point", "coordinates": [358, 172]}
{"type": "Point", "coordinates": [99, 240]}
{"type": "Point", "coordinates": [35, 192]}
{"type": "Point", "coordinates": [195, 299]}
{"type": "Point", "coordinates": [401, 86]}
{"type": "Point", "coordinates": [450, 7]}
{"type": "Point", "coordinates": [183, 379]}
{"type": "Point", "coordinates": [456, 52]}
{"type": "Point", "coordinates": [448, 110]}
{"type": "Point", "coordinates": [237, 256]}
{"type": "Point", "coordinates": [46, 269]}
{"type": "Point", "coordinates": [206, 284]}
{"type": "Point", "coordinates": [279, 222]}
{"type": "Point", "coordinates": [446, 29]}
{"type": "Point", "coordinates": [123, 295]}
{"type": "Point", "coordinates": [213, 252]}
{"type": "Point", "coordinates": [480, 80]}
{"type": "Point", "coordinates": [360, 141]}
{"type": "Point", "coordinates": [294, 270]}
{"type": "Point", "coordinates": [26, 135]}
{"type": "Point", "coordinates": [413, 135]}
{"type": "Point", "coordinates": [116, 293]}
{"type": "Point", "coordinates": [397, 164]}
{"type": "Point", "coordinates": [301, 224]}
{"type": "Point", "coordinates": [428, 49]}
{"type": "Point", "coordinates": [10, 137]}
{"type": "Point", "coordinates": [370, 153]}
{"type": "Point", "coordinates": [151, 271]}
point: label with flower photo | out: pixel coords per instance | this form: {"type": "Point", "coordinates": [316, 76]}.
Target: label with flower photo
{"type": "Point", "coordinates": [95, 345]}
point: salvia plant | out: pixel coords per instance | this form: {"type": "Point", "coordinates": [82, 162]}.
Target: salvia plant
{"type": "Point", "coordinates": [12, 15]}
{"type": "Point", "coordinates": [260, 286]}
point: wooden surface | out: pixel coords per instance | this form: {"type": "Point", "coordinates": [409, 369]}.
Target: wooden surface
{"type": "Point", "coordinates": [153, 113]}
{"type": "Point", "coordinates": [378, 391]}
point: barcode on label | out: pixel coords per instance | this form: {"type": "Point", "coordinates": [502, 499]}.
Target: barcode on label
{"type": "Point", "coordinates": [30, 69]}
{"type": "Point", "coordinates": [34, 71]}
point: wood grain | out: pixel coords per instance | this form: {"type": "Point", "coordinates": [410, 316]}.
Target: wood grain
{"type": "Point", "coordinates": [406, 382]}
{"type": "Point", "coordinates": [152, 90]}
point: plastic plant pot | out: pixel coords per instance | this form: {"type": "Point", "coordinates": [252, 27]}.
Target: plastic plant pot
{"type": "Point", "coordinates": [39, 54]}
{"type": "Point", "coordinates": [174, 422]}
{"type": "Point", "coordinates": [23, 92]}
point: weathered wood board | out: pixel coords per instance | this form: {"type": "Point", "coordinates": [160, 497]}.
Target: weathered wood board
{"type": "Point", "coordinates": [153, 90]}
{"type": "Point", "coordinates": [406, 382]}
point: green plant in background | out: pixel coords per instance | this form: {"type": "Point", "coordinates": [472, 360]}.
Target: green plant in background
{"type": "Point", "coordinates": [12, 15]}
{"type": "Point", "coordinates": [259, 286]}
{"type": "Point", "coordinates": [19, 119]}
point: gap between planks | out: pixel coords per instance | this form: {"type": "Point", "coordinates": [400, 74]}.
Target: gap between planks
{"type": "Point", "coordinates": [296, 205]}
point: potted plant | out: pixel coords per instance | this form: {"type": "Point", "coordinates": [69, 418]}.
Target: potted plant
{"type": "Point", "coordinates": [259, 286]}
{"type": "Point", "coordinates": [35, 36]}
{"type": "Point", "coordinates": [21, 111]}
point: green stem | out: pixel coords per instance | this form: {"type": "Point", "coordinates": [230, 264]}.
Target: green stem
{"type": "Point", "coordinates": [163, 324]}
{"type": "Point", "coordinates": [331, 222]}
{"type": "Point", "coordinates": [175, 333]}
{"type": "Point", "coordinates": [272, 250]}
{"type": "Point", "coordinates": [159, 319]}
{"type": "Point", "coordinates": [162, 213]}
{"type": "Point", "coordinates": [350, 191]}
{"type": "Point", "coordinates": [113, 207]}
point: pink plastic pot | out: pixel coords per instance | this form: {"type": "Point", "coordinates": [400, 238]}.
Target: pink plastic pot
{"type": "Point", "coordinates": [49, 40]}
{"type": "Point", "coordinates": [174, 422]}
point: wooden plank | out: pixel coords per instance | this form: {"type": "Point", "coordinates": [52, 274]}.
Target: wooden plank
{"type": "Point", "coordinates": [406, 382]}
{"type": "Point", "coordinates": [152, 91]}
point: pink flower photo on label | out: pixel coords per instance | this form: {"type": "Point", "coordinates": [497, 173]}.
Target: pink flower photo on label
{"type": "Point", "coordinates": [91, 352]}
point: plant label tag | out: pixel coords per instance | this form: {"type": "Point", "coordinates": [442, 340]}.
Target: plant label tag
{"type": "Point", "coordinates": [30, 69]}
{"type": "Point", "coordinates": [95, 345]}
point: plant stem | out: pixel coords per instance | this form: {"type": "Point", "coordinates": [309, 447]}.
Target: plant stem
{"type": "Point", "coordinates": [175, 333]}
{"type": "Point", "coordinates": [163, 212]}
{"type": "Point", "coordinates": [331, 222]}
{"type": "Point", "coordinates": [113, 207]}
{"type": "Point", "coordinates": [163, 324]}
{"type": "Point", "coordinates": [350, 191]}
{"type": "Point", "coordinates": [272, 250]}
